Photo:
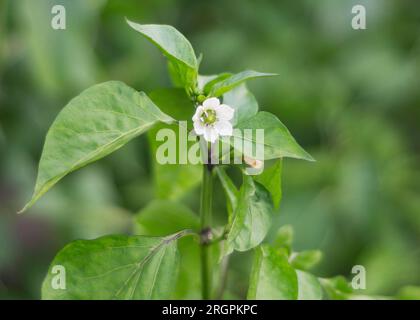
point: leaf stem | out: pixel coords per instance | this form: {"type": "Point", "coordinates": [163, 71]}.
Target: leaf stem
{"type": "Point", "coordinates": [205, 234]}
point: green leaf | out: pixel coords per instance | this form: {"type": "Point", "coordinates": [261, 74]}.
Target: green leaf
{"type": "Point", "coordinates": [206, 83]}
{"type": "Point", "coordinates": [272, 277]}
{"type": "Point", "coordinates": [243, 101]}
{"type": "Point", "coordinates": [116, 267]}
{"type": "Point", "coordinates": [94, 124]}
{"type": "Point", "coordinates": [230, 190]}
{"type": "Point", "coordinates": [163, 217]}
{"type": "Point", "coordinates": [336, 288]}
{"type": "Point", "coordinates": [175, 47]}
{"type": "Point", "coordinates": [270, 178]}
{"type": "Point", "coordinates": [278, 142]}
{"type": "Point", "coordinates": [309, 287]}
{"type": "Point", "coordinates": [284, 237]}
{"type": "Point", "coordinates": [252, 217]}
{"type": "Point", "coordinates": [234, 80]}
{"type": "Point", "coordinates": [172, 181]}
{"type": "Point", "coordinates": [305, 260]}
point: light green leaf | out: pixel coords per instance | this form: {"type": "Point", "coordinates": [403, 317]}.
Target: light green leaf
{"type": "Point", "coordinates": [305, 260]}
{"type": "Point", "coordinates": [234, 80]}
{"type": "Point", "coordinates": [172, 181]}
{"type": "Point", "coordinates": [272, 277]}
{"type": "Point", "coordinates": [336, 288]}
{"type": "Point", "coordinates": [270, 178]}
{"type": "Point", "coordinates": [206, 83]}
{"type": "Point", "coordinates": [242, 101]}
{"type": "Point", "coordinates": [116, 267]}
{"type": "Point", "coordinates": [284, 237]}
{"type": "Point", "coordinates": [309, 287]}
{"type": "Point", "coordinates": [94, 124]}
{"type": "Point", "coordinates": [278, 142]}
{"type": "Point", "coordinates": [252, 217]}
{"type": "Point", "coordinates": [175, 47]}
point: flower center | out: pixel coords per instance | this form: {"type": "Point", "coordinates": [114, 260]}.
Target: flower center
{"type": "Point", "coordinates": [208, 117]}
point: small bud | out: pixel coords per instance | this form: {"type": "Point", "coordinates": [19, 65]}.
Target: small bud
{"type": "Point", "coordinates": [201, 98]}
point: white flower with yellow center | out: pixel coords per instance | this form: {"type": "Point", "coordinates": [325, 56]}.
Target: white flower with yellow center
{"type": "Point", "coordinates": [213, 119]}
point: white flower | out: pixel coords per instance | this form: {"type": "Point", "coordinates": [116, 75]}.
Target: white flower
{"type": "Point", "coordinates": [212, 119]}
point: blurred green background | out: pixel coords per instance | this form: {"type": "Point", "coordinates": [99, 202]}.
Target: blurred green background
{"type": "Point", "coordinates": [351, 98]}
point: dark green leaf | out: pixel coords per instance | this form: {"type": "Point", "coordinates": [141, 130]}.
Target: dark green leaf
{"type": "Point", "coordinates": [270, 178]}
{"type": "Point", "coordinates": [175, 47]}
{"type": "Point", "coordinates": [272, 277]}
{"type": "Point", "coordinates": [234, 80]}
{"type": "Point", "coordinates": [99, 121]}
{"type": "Point", "coordinates": [116, 267]}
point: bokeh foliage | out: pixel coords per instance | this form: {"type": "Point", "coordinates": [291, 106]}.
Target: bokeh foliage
{"type": "Point", "coordinates": [350, 97]}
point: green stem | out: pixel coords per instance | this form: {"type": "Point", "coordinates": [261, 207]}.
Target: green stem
{"type": "Point", "coordinates": [205, 211]}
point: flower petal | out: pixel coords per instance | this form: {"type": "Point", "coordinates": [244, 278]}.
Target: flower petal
{"type": "Point", "coordinates": [224, 128]}
{"type": "Point", "coordinates": [199, 127]}
{"type": "Point", "coordinates": [198, 113]}
{"type": "Point", "coordinates": [224, 112]}
{"type": "Point", "coordinates": [211, 103]}
{"type": "Point", "coordinates": [210, 134]}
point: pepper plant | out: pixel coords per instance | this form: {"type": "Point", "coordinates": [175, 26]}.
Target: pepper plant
{"type": "Point", "coordinates": [174, 251]}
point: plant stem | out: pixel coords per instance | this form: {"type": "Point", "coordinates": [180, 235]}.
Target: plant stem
{"type": "Point", "coordinates": [205, 211]}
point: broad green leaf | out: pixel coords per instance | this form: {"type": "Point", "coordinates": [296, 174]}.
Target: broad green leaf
{"type": "Point", "coordinates": [243, 101]}
{"type": "Point", "coordinates": [173, 181]}
{"type": "Point", "coordinates": [284, 238]}
{"type": "Point", "coordinates": [309, 287]}
{"type": "Point", "coordinates": [234, 80]}
{"type": "Point", "coordinates": [278, 142]}
{"type": "Point", "coordinates": [305, 260]}
{"type": "Point", "coordinates": [252, 217]}
{"type": "Point", "coordinates": [164, 217]}
{"type": "Point", "coordinates": [175, 47]}
{"type": "Point", "coordinates": [230, 190]}
{"type": "Point", "coordinates": [272, 277]}
{"type": "Point", "coordinates": [270, 178]}
{"type": "Point", "coordinates": [94, 124]}
{"type": "Point", "coordinates": [116, 267]}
